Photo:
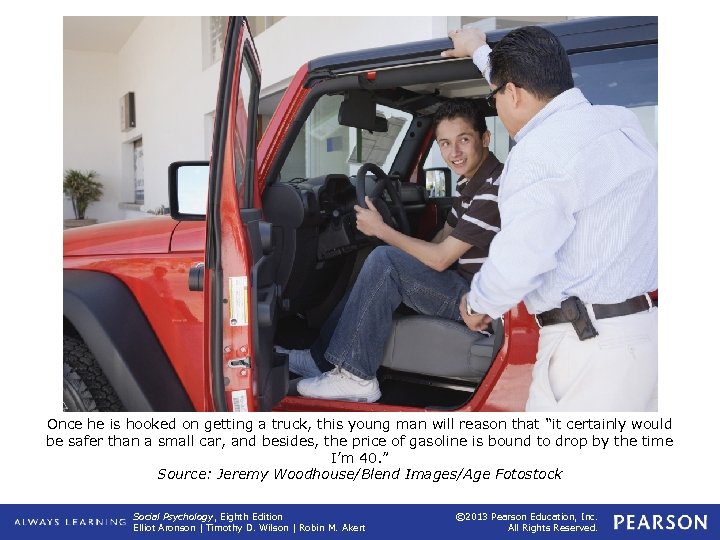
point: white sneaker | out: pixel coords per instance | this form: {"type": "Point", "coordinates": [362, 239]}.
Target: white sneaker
{"type": "Point", "coordinates": [300, 361]}
{"type": "Point", "coordinates": [342, 385]}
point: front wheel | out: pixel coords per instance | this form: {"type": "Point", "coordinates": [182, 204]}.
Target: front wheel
{"type": "Point", "coordinates": [76, 396]}
{"type": "Point", "coordinates": [82, 363]}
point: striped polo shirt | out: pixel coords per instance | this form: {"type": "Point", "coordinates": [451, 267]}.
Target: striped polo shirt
{"type": "Point", "coordinates": [475, 217]}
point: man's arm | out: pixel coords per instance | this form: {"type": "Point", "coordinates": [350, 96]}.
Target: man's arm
{"type": "Point", "coordinates": [537, 219]}
{"type": "Point", "coordinates": [442, 234]}
{"type": "Point", "coordinates": [476, 322]}
{"type": "Point", "coordinates": [465, 42]}
{"type": "Point", "coordinates": [438, 256]}
{"type": "Point", "coordinates": [470, 42]}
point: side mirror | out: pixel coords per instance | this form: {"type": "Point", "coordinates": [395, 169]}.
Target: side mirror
{"type": "Point", "coordinates": [438, 181]}
{"type": "Point", "coordinates": [359, 110]}
{"type": "Point", "coordinates": [188, 190]}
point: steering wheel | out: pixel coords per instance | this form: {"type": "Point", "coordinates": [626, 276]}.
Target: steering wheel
{"type": "Point", "coordinates": [392, 214]}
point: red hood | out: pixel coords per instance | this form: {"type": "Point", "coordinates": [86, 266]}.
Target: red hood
{"type": "Point", "coordinates": [151, 235]}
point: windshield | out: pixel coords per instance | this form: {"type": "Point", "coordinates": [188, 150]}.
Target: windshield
{"type": "Point", "coordinates": [323, 146]}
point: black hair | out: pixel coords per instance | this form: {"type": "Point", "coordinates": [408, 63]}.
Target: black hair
{"type": "Point", "coordinates": [461, 108]}
{"type": "Point", "coordinates": [534, 59]}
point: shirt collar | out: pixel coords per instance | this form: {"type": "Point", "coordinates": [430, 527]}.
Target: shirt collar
{"type": "Point", "coordinates": [481, 175]}
{"type": "Point", "coordinates": [566, 100]}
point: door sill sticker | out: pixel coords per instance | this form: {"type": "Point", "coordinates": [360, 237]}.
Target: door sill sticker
{"type": "Point", "coordinates": [238, 301]}
{"type": "Point", "coordinates": [239, 401]}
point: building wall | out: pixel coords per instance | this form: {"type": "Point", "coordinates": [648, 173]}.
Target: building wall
{"type": "Point", "coordinates": [90, 124]}
{"type": "Point", "coordinates": [162, 64]}
{"type": "Point", "coordinates": [293, 41]}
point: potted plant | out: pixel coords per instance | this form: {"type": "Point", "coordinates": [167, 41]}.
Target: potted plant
{"type": "Point", "coordinates": [82, 189]}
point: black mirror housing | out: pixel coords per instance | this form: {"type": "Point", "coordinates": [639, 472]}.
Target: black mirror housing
{"type": "Point", "coordinates": [358, 110]}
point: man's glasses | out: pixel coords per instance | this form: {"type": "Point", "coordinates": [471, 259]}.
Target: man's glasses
{"type": "Point", "coordinates": [491, 98]}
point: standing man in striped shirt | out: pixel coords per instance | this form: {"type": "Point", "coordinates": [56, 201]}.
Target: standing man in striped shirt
{"type": "Point", "coordinates": [578, 201]}
{"type": "Point", "coordinates": [410, 270]}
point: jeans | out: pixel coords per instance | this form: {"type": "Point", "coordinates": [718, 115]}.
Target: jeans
{"type": "Point", "coordinates": [354, 336]}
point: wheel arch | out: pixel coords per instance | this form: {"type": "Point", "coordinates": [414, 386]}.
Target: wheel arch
{"type": "Point", "coordinates": [101, 310]}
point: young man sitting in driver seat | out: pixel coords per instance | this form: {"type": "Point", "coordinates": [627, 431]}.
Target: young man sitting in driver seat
{"type": "Point", "coordinates": [408, 270]}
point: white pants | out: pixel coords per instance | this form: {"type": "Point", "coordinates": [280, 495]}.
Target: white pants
{"type": "Point", "coordinates": [615, 371]}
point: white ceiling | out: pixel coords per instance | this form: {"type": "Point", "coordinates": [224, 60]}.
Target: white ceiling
{"type": "Point", "coordinates": [100, 34]}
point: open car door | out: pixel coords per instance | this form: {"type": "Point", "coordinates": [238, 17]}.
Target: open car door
{"type": "Point", "coordinates": [240, 293]}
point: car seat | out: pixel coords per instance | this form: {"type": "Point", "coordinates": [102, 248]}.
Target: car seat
{"type": "Point", "coordinates": [438, 347]}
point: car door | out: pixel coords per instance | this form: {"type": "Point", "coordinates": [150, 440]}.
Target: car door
{"type": "Point", "coordinates": [240, 299]}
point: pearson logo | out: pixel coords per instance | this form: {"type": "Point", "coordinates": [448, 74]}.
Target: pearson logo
{"type": "Point", "coordinates": [659, 522]}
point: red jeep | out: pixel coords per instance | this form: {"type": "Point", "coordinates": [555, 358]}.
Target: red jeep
{"type": "Point", "coordinates": [182, 313]}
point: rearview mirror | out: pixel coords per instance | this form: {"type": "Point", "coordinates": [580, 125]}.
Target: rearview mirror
{"type": "Point", "coordinates": [381, 124]}
{"type": "Point", "coordinates": [188, 190]}
{"type": "Point", "coordinates": [358, 110]}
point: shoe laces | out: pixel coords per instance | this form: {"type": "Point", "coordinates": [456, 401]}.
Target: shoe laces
{"type": "Point", "coordinates": [339, 372]}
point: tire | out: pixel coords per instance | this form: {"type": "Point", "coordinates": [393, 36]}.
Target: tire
{"type": "Point", "coordinates": [82, 363]}
{"type": "Point", "coordinates": [76, 396]}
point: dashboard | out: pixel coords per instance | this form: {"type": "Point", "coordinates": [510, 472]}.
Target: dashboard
{"type": "Point", "coordinates": [328, 206]}
{"type": "Point", "coordinates": [329, 202]}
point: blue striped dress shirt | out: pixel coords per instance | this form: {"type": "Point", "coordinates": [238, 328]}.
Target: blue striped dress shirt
{"type": "Point", "coordinates": [578, 211]}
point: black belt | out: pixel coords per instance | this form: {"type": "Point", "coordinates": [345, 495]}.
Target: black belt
{"type": "Point", "coordinates": [602, 311]}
